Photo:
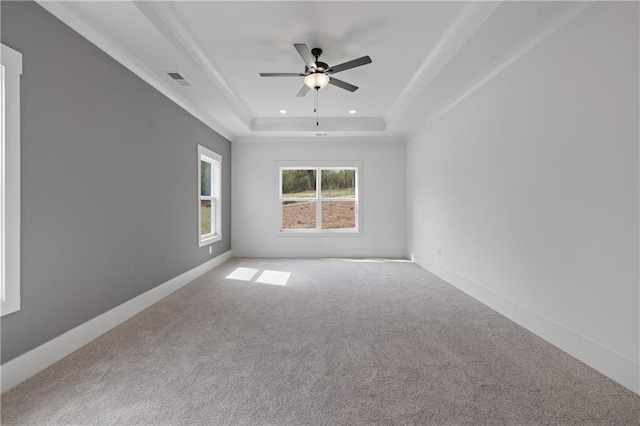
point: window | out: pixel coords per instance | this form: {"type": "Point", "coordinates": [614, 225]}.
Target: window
{"type": "Point", "coordinates": [209, 190]}
{"type": "Point", "coordinates": [319, 199]}
{"type": "Point", "coordinates": [10, 71]}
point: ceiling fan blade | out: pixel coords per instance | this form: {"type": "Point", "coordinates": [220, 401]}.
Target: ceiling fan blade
{"type": "Point", "coordinates": [303, 91]}
{"type": "Point", "coordinates": [351, 64]}
{"type": "Point", "coordinates": [281, 74]}
{"type": "Point", "coordinates": [343, 84]}
{"type": "Point", "coordinates": [305, 54]}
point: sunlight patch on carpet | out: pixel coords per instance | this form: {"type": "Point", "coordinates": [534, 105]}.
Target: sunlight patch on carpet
{"type": "Point", "coordinates": [242, 274]}
{"type": "Point", "coordinates": [274, 277]}
{"type": "Point", "coordinates": [267, 276]}
{"type": "Point", "coordinates": [372, 260]}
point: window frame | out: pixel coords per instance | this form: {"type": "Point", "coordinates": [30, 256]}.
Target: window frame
{"type": "Point", "coordinates": [11, 70]}
{"type": "Point", "coordinates": [215, 159]}
{"type": "Point", "coordinates": [318, 167]}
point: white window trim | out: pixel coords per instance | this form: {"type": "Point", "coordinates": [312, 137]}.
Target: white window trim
{"type": "Point", "coordinates": [319, 165]}
{"type": "Point", "coordinates": [215, 160]}
{"type": "Point", "coordinates": [11, 64]}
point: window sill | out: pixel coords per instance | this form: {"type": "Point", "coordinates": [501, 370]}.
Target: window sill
{"type": "Point", "coordinates": [314, 233]}
{"type": "Point", "coordinates": [9, 308]}
{"type": "Point", "coordinates": [210, 240]}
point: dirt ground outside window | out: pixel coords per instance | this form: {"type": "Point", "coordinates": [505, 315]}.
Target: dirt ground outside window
{"type": "Point", "coordinates": [335, 215]}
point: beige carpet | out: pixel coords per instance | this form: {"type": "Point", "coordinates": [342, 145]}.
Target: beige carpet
{"type": "Point", "coordinates": [342, 343]}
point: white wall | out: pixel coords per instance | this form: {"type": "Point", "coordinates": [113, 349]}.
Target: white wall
{"type": "Point", "coordinates": [529, 188]}
{"type": "Point", "coordinates": [255, 202]}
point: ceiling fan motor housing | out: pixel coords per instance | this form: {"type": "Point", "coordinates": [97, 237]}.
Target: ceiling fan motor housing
{"type": "Point", "coordinates": [320, 66]}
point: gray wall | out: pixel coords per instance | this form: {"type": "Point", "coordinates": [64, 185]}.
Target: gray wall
{"type": "Point", "coordinates": [109, 178]}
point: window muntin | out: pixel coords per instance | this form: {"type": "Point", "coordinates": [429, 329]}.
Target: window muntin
{"type": "Point", "coordinates": [209, 192]}
{"type": "Point", "coordinates": [10, 71]}
{"type": "Point", "coordinates": [319, 199]}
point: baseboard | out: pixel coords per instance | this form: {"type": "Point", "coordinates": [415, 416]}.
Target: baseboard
{"type": "Point", "coordinates": [19, 369]}
{"type": "Point", "coordinates": [408, 254]}
{"type": "Point", "coordinates": [321, 252]}
{"type": "Point", "coordinates": [615, 367]}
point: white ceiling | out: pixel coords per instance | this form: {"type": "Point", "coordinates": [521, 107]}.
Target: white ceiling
{"type": "Point", "coordinates": [426, 56]}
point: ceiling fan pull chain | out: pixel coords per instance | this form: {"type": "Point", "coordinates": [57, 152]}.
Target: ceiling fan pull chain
{"type": "Point", "coordinates": [316, 108]}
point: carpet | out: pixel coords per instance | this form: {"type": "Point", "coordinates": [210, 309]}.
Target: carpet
{"type": "Point", "coordinates": [319, 342]}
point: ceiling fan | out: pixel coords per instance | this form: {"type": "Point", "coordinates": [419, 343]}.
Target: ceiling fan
{"type": "Point", "coordinates": [317, 74]}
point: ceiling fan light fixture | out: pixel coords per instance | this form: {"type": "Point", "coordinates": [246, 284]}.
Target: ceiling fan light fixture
{"type": "Point", "coordinates": [316, 80]}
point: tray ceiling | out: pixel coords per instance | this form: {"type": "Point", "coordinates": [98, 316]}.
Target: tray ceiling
{"type": "Point", "coordinates": [426, 56]}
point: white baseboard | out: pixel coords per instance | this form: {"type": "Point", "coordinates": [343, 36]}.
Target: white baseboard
{"type": "Point", "coordinates": [617, 368]}
{"type": "Point", "coordinates": [408, 254]}
{"type": "Point", "coordinates": [320, 252]}
{"type": "Point", "coordinates": [19, 369]}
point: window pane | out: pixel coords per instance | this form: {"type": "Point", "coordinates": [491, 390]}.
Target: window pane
{"type": "Point", "coordinates": [205, 217]}
{"type": "Point", "coordinates": [298, 184]}
{"type": "Point", "coordinates": [205, 178]}
{"type": "Point", "coordinates": [298, 215]}
{"type": "Point", "coordinates": [338, 214]}
{"type": "Point", "coordinates": [338, 183]}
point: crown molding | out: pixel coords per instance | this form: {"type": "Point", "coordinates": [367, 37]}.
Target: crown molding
{"type": "Point", "coordinates": [542, 32]}
{"type": "Point", "coordinates": [325, 124]}
{"type": "Point", "coordinates": [62, 10]}
{"type": "Point", "coordinates": [164, 18]}
{"type": "Point", "coordinates": [464, 25]}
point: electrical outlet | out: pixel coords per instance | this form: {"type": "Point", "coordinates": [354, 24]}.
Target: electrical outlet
{"type": "Point", "coordinates": [210, 250]}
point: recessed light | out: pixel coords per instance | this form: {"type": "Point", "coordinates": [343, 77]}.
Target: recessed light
{"type": "Point", "coordinates": [353, 111]}
{"type": "Point", "coordinates": [283, 111]}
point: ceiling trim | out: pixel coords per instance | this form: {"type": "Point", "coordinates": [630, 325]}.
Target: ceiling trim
{"type": "Point", "coordinates": [542, 32]}
{"type": "Point", "coordinates": [164, 18]}
{"type": "Point", "coordinates": [464, 25]}
{"type": "Point", "coordinates": [317, 139]}
{"type": "Point", "coordinates": [64, 13]}
{"type": "Point", "coordinates": [326, 124]}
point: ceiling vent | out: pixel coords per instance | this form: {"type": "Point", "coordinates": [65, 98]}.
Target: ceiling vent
{"type": "Point", "coordinates": [178, 78]}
